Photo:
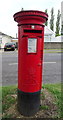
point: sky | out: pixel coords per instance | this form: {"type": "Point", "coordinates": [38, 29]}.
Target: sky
{"type": "Point", "coordinates": [9, 7]}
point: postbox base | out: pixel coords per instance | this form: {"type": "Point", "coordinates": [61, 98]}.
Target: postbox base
{"type": "Point", "coordinates": [28, 103]}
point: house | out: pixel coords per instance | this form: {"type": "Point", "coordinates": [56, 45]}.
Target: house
{"type": "Point", "coordinates": [14, 40]}
{"type": "Point", "coordinates": [49, 35]}
{"type": "Point", "coordinates": [4, 39]}
{"type": "Point", "coordinates": [59, 38]}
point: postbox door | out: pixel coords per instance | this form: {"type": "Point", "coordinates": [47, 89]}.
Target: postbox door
{"type": "Point", "coordinates": [35, 48]}
{"type": "Point", "coordinates": [30, 67]}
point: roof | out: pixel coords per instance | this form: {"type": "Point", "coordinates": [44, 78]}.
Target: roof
{"type": "Point", "coordinates": [48, 31]}
{"type": "Point", "coordinates": [5, 35]}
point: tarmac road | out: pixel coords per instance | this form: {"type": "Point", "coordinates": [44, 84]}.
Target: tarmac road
{"type": "Point", "coordinates": [51, 68]}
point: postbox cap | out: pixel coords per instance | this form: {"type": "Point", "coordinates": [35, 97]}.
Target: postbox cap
{"type": "Point", "coordinates": [30, 17]}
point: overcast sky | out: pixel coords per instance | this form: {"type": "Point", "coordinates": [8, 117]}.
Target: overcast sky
{"type": "Point", "coordinates": [9, 7]}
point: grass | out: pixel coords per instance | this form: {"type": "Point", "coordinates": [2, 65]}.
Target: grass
{"type": "Point", "coordinates": [55, 89]}
{"type": "Point", "coordinates": [43, 107]}
{"type": "Point", "coordinates": [7, 116]}
{"type": "Point", "coordinates": [7, 99]}
{"type": "Point", "coordinates": [0, 99]}
{"type": "Point", "coordinates": [53, 50]}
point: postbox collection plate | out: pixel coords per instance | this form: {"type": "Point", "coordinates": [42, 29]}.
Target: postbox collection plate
{"type": "Point", "coordinates": [32, 45]}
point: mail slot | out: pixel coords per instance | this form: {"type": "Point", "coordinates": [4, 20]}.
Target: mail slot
{"type": "Point", "coordinates": [30, 59]}
{"type": "Point", "coordinates": [32, 31]}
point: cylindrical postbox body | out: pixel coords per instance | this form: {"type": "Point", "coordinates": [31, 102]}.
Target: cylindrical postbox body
{"type": "Point", "coordinates": [30, 59]}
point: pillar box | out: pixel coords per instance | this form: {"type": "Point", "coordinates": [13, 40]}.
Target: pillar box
{"type": "Point", "coordinates": [30, 59]}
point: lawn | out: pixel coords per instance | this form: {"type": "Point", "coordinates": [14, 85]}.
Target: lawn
{"type": "Point", "coordinates": [57, 91]}
{"type": "Point", "coordinates": [9, 98]}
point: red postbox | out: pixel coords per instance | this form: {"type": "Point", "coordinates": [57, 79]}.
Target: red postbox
{"type": "Point", "coordinates": [30, 59]}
